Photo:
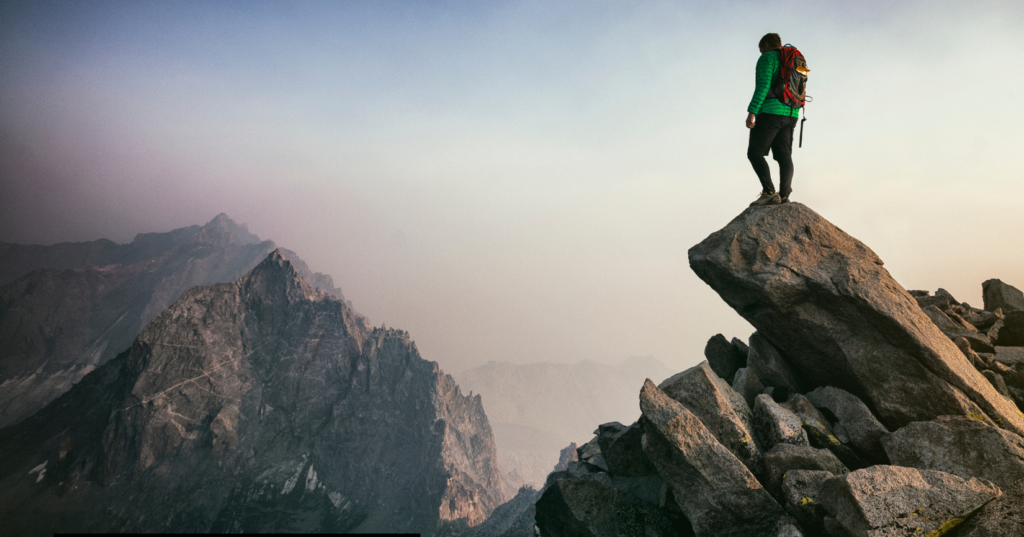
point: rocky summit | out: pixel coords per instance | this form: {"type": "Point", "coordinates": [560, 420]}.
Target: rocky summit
{"type": "Point", "coordinates": [858, 408]}
{"type": "Point", "coordinates": [259, 405]}
{"type": "Point", "coordinates": [66, 309]}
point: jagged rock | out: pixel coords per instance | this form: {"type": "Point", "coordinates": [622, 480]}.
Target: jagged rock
{"type": "Point", "coordinates": [722, 411]}
{"type": "Point", "coordinates": [582, 503]}
{"type": "Point", "coordinates": [251, 406]}
{"type": "Point", "coordinates": [997, 381]}
{"type": "Point", "coordinates": [937, 301]}
{"type": "Point", "coordinates": [742, 350]}
{"type": "Point", "coordinates": [1011, 333]}
{"type": "Point", "coordinates": [978, 341]}
{"type": "Point", "coordinates": [826, 304]}
{"type": "Point", "coordinates": [567, 455]}
{"type": "Point", "coordinates": [747, 385]}
{"type": "Point", "coordinates": [982, 320]}
{"type": "Point", "coordinates": [820, 433]}
{"type": "Point", "coordinates": [800, 498]}
{"type": "Point", "coordinates": [590, 453]}
{"type": "Point", "coordinates": [999, 295]}
{"type": "Point", "coordinates": [620, 447]}
{"type": "Point", "coordinates": [968, 352]}
{"type": "Point", "coordinates": [723, 357]}
{"type": "Point", "coordinates": [1000, 517]}
{"type": "Point", "coordinates": [960, 446]}
{"type": "Point", "coordinates": [1011, 356]}
{"type": "Point", "coordinates": [940, 319]}
{"type": "Point", "coordinates": [783, 458]}
{"type": "Point", "coordinates": [856, 419]}
{"type": "Point", "coordinates": [775, 425]}
{"type": "Point", "coordinates": [892, 500]}
{"type": "Point", "coordinates": [514, 518]}
{"type": "Point", "coordinates": [712, 487]}
{"type": "Point", "coordinates": [771, 368]}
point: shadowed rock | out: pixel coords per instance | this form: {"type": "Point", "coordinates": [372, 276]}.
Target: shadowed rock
{"type": "Point", "coordinates": [999, 295]}
{"type": "Point", "coordinates": [960, 446]}
{"type": "Point", "coordinates": [824, 301]}
{"type": "Point", "coordinates": [855, 422]}
{"type": "Point", "coordinates": [800, 498]}
{"type": "Point", "coordinates": [715, 491]}
{"type": "Point", "coordinates": [783, 458]}
{"type": "Point", "coordinates": [1000, 517]}
{"type": "Point", "coordinates": [891, 500]}
{"type": "Point", "coordinates": [724, 357]}
{"type": "Point", "coordinates": [620, 447]}
{"type": "Point", "coordinates": [747, 385]}
{"type": "Point", "coordinates": [771, 368]}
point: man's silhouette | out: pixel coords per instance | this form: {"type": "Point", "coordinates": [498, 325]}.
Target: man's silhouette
{"type": "Point", "coordinates": [771, 125]}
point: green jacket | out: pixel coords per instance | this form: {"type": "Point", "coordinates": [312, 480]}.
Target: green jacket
{"type": "Point", "coordinates": [768, 70]}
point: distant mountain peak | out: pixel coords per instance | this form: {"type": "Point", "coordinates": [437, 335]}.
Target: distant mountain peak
{"type": "Point", "coordinates": [276, 276]}
{"type": "Point", "coordinates": [222, 229]}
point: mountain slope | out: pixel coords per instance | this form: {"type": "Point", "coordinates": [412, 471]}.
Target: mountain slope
{"type": "Point", "coordinates": [65, 316]}
{"type": "Point", "coordinates": [257, 405]}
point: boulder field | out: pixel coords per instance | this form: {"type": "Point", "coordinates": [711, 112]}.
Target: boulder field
{"type": "Point", "coordinates": [857, 408]}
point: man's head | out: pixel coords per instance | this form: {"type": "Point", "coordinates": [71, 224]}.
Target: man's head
{"type": "Point", "coordinates": [770, 41]}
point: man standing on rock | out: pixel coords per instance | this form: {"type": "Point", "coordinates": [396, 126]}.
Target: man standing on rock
{"type": "Point", "coordinates": [771, 125]}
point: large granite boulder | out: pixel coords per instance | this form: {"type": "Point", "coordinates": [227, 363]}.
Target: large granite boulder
{"type": "Point", "coordinates": [1000, 517]}
{"type": "Point", "coordinates": [716, 492]}
{"type": "Point", "coordinates": [999, 295]}
{"type": "Point", "coordinates": [824, 301]}
{"type": "Point", "coordinates": [892, 500]}
{"type": "Point", "coordinates": [1011, 334]}
{"type": "Point", "coordinates": [720, 409]}
{"type": "Point", "coordinates": [854, 421]}
{"type": "Point", "coordinates": [961, 446]}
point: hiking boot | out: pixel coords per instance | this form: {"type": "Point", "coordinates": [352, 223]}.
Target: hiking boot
{"type": "Point", "coordinates": [785, 199]}
{"type": "Point", "coordinates": [766, 198]}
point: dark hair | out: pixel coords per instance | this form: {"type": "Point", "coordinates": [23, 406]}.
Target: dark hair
{"type": "Point", "coordinates": [770, 41]}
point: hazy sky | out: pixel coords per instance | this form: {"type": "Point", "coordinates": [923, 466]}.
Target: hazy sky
{"type": "Point", "coordinates": [515, 180]}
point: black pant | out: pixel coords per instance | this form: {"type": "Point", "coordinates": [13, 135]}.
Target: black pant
{"type": "Point", "coordinates": [775, 132]}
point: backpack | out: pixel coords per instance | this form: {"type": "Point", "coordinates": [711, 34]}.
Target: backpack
{"type": "Point", "coordinates": [790, 88]}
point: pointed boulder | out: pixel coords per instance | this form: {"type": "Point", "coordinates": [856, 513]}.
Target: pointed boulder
{"type": "Point", "coordinates": [823, 300]}
{"type": "Point", "coordinates": [715, 491]}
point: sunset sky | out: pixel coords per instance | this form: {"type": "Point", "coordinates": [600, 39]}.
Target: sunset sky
{"type": "Point", "coordinates": [515, 180]}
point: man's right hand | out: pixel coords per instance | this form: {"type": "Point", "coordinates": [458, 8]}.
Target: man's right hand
{"type": "Point", "coordinates": [750, 120]}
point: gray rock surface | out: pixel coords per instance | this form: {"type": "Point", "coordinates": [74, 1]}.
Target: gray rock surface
{"type": "Point", "coordinates": [772, 370]}
{"type": "Point", "coordinates": [783, 458]}
{"type": "Point", "coordinates": [82, 306]}
{"type": "Point", "coordinates": [960, 446]}
{"type": "Point", "coordinates": [1000, 517]}
{"type": "Point", "coordinates": [722, 411]}
{"type": "Point", "coordinates": [999, 295]}
{"type": "Point", "coordinates": [254, 406]}
{"type": "Point", "coordinates": [800, 498]}
{"type": "Point", "coordinates": [1011, 334]}
{"type": "Point", "coordinates": [723, 357]}
{"type": "Point", "coordinates": [716, 492]}
{"type": "Point", "coordinates": [1010, 355]}
{"type": "Point", "coordinates": [824, 301]}
{"type": "Point", "coordinates": [858, 423]}
{"type": "Point", "coordinates": [747, 385]}
{"type": "Point", "coordinates": [892, 500]}
{"type": "Point", "coordinates": [775, 425]}
{"type": "Point", "coordinates": [581, 502]}
{"type": "Point", "coordinates": [622, 452]}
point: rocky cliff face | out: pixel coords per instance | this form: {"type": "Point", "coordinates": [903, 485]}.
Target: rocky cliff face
{"type": "Point", "coordinates": [252, 406]}
{"type": "Point", "coordinates": [858, 408]}
{"type": "Point", "coordinates": [73, 306]}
